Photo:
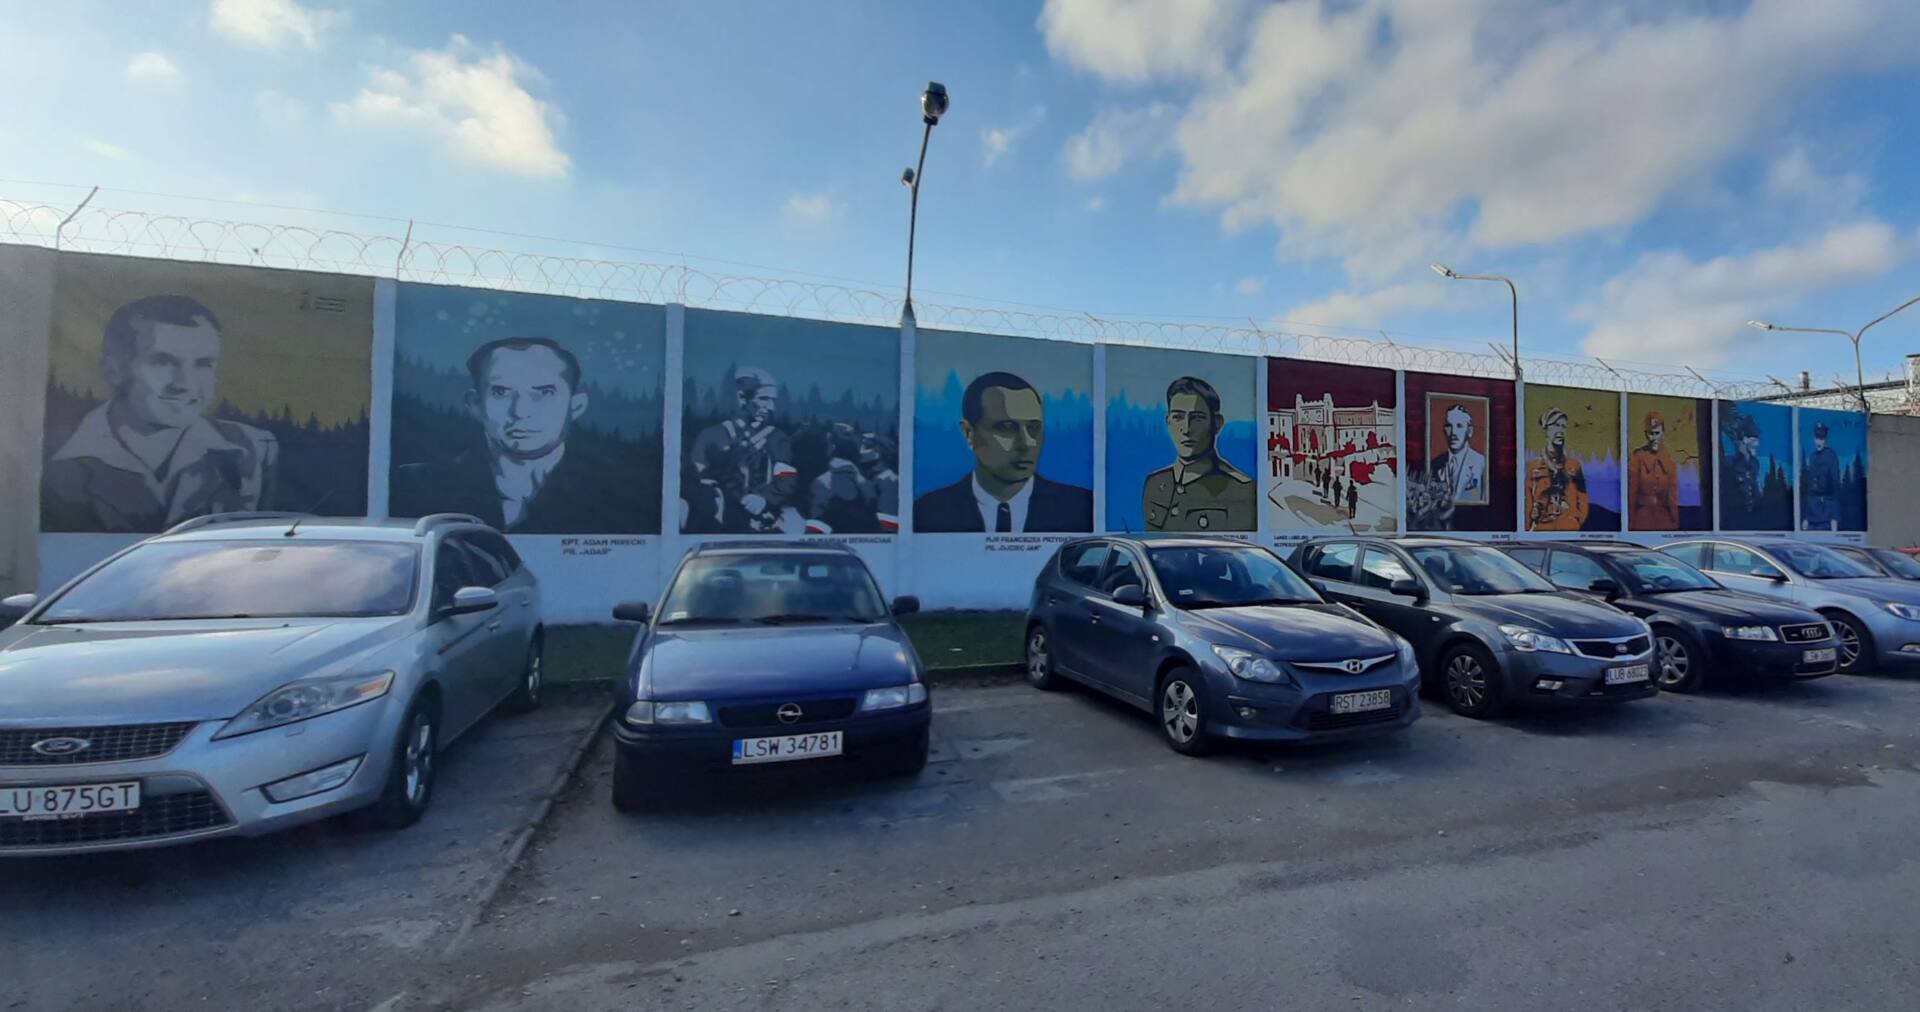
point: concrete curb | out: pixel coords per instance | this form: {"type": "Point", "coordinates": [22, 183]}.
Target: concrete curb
{"type": "Point", "coordinates": [518, 847]}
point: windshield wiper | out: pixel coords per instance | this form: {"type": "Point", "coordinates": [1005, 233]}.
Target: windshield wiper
{"type": "Point", "coordinates": [701, 620]}
{"type": "Point", "coordinates": [798, 616]}
{"type": "Point", "coordinates": [1257, 602]}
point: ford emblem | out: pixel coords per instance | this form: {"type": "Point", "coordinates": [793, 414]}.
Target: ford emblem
{"type": "Point", "coordinates": [788, 712]}
{"type": "Point", "coordinates": [58, 747]}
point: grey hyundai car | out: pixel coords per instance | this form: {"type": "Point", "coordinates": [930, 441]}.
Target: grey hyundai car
{"type": "Point", "coordinates": [244, 673]}
{"type": "Point", "coordinates": [1218, 639]}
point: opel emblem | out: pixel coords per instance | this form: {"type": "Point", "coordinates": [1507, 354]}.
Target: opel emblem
{"type": "Point", "coordinates": [788, 712]}
{"type": "Point", "coordinates": [1354, 667]}
{"type": "Point", "coordinates": [57, 747]}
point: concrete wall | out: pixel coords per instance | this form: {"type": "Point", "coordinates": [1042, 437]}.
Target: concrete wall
{"type": "Point", "coordinates": [1893, 497]}
{"type": "Point", "coordinates": [26, 308]}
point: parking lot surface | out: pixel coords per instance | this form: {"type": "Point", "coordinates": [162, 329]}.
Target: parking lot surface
{"type": "Point", "coordinates": [1749, 850]}
{"type": "Point", "coordinates": [321, 917]}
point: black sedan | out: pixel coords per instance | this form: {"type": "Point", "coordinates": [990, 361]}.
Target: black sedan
{"type": "Point", "coordinates": [766, 653]}
{"type": "Point", "coordinates": [1701, 630]}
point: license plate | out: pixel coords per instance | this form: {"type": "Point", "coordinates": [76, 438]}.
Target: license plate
{"type": "Point", "coordinates": [68, 802]}
{"type": "Point", "coordinates": [1361, 702]}
{"type": "Point", "coordinates": [785, 748]}
{"type": "Point", "coordinates": [1820, 656]}
{"type": "Point", "coordinates": [1627, 675]}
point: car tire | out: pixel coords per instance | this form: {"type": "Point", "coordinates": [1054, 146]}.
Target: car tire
{"type": "Point", "coordinates": [410, 778]}
{"type": "Point", "coordinates": [908, 760]}
{"type": "Point", "coordinates": [1181, 706]}
{"type": "Point", "coordinates": [1040, 673]}
{"type": "Point", "coordinates": [526, 698]}
{"type": "Point", "coordinates": [1680, 665]}
{"type": "Point", "coordinates": [1472, 682]}
{"type": "Point", "coordinates": [634, 790]}
{"type": "Point", "coordinates": [1852, 638]}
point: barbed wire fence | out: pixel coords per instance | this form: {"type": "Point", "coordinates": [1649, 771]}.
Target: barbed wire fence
{"type": "Point", "coordinates": [411, 255]}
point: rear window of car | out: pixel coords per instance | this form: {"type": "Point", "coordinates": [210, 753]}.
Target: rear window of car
{"type": "Point", "coordinates": [183, 580]}
{"type": "Point", "coordinates": [1336, 562]}
{"type": "Point", "coordinates": [1083, 563]}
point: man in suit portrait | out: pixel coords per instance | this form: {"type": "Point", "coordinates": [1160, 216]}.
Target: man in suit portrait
{"type": "Point", "coordinates": [1461, 468]}
{"type": "Point", "coordinates": [1003, 421]}
{"type": "Point", "coordinates": [1199, 491]}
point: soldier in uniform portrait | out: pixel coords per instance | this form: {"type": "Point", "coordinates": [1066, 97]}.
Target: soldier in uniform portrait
{"type": "Point", "coordinates": [1743, 471]}
{"type": "Point", "coordinates": [740, 472]}
{"type": "Point", "coordinates": [1556, 484]}
{"type": "Point", "coordinates": [1199, 491]}
{"type": "Point", "coordinates": [1653, 480]}
{"type": "Point", "coordinates": [1820, 485]}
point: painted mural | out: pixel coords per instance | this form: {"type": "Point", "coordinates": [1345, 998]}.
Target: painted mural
{"type": "Point", "coordinates": [790, 426]}
{"type": "Point", "coordinates": [1460, 452]}
{"type": "Point", "coordinates": [1756, 466]}
{"type": "Point", "coordinates": [1670, 468]}
{"type": "Point", "coordinates": [1572, 459]}
{"type": "Point", "coordinates": [1332, 462]}
{"type": "Point", "coordinates": [1180, 441]}
{"type": "Point", "coordinates": [1003, 435]}
{"type": "Point", "coordinates": [1833, 470]}
{"type": "Point", "coordinates": [180, 389]}
{"type": "Point", "coordinates": [536, 413]}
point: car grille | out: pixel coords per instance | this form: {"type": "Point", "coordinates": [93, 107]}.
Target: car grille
{"type": "Point", "coordinates": [117, 743]}
{"type": "Point", "coordinates": [1808, 633]}
{"type": "Point", "coordinates": [812, 711]}
{"type": "Point", "coordinates": [158, 816]}
{"type": "Point", "coordinates": [1610, 649]}
{"type": "Point", "coordinates": [1361, 665]}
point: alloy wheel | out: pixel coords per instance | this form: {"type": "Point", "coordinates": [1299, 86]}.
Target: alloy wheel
{"type": "Point", "coordinates": [1849, 638]}
{"type": "Point", "coordinates": [418, 758]}
{"type": "Point", "coordinates": [533, 673]}
{"type": "Point", "coordinates": [1466, 681]}
{"type": "Point", "coordinates": [1039, 662]}
{"type": "Point", "coordinates": [1180, 711]}
{"type": "Point", "coordinates": [1675, 663]}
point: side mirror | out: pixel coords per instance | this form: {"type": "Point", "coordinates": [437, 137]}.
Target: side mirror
{"type": "Point", "coordinates": [1605, 587]}
{"type": "Point", "coordinates": [468, 600]}
{"type": "Point", "coordinates": [1130, 595]}
{"type": "Point", "coordinates": [905, 604]}
{"type": "Point", "coordinates": [1319, 585]}
{"type": "Point", "coordinates": [1406, 587]}
{"type": "Point", "coordinates": [15, 607]}
{"type": "Point", "coordinates": [633, 611]}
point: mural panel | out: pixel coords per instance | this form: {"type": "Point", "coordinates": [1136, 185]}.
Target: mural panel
{"type": "Point", "coordinates": [1756, 466]}
{"type": "Point", "coordinates": [1460, 452]}
{"type": "Point", "coordinates": [1332, 459]}
{"type": "Point", "coordinates": [535, 413]}
{"type": "Point", "coordinates": [181, 389]}
{"type": "Point", "coordinates": [1003, 435]}
{"type": "Point", "coordinates": [1573, 459]}
{"type": "Point", "coordinates": [1180, 441]}
{"type": "Point", "coordinates": [790, 426]}
{"type": "Point", "coordinates": [1833, 470]}
{"type": "Point", "coordinates": [1669, 469]}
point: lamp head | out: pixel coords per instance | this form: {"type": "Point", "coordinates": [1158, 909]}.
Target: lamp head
{"type": "Point", "coordinates": [933, 102]}
{"type": "Point", "coordinates": [1442, 269]}
{"type": "Point", "coordinates": [1759, 325]}
{"type": "Point", "coordinates": [906, 177]}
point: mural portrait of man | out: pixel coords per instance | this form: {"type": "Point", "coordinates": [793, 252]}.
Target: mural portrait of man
{"type": "Point", "coordinates": [742, 468]}
{"type": "Point", "coordinates": [1460, 468]}
{"type": "Point", "coordinates": [1200, 490]}
{"type": "Point", "coordinates": [1820, 485]}
{"type": "Point", "coordinates": [1556, 484]}
{"type": "Point", "coordinates": [152, 455]}
{"type": "Point", "coordinates": [1653, 477]}
{"type": "Point", "coordinates": [1004, 424]}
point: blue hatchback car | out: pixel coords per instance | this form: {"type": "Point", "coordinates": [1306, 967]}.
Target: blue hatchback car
{"type": "Point", "coordinates": [766, 653]}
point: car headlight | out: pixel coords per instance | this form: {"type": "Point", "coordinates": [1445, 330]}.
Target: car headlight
{"type": "Point", "coordinates": [894, 697]}
{"type": "Point", "coordinates": [1405, 651]}
{"type": "Point", "coordinates": [647, 711]}
{"type": "Point", "coordinates": [1906, 611]}
{"type": "Point", "coordinates": [1761, 633]}
{"type": "Point", "coordinates": [1251, 666]}
{"type": "Point", "coordinates": [1530, 640]}
{"type": "Point", "coordinates": [306, 699]}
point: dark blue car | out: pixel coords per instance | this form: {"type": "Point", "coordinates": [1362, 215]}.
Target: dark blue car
{"type": "Point", "coordinates": [766, 654]}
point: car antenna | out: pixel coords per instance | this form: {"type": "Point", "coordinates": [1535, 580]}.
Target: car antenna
{"type": "Point", "coordinates": [291, 528]}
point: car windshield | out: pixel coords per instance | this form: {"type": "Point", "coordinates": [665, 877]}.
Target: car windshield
{"type": "Point", "coordinates": [1899, 564]}
{"type": "Point", "coordinates": [1471, 569]}
{"type": "Point", "coordinates": [1226, 576]}
{"type": "Point", "coordinates": [772, 589]}
{"type": "Point", "coordinates": [1817, 562]}
{"type": "Point", "coordinates": [1654, 573]}
{"type": "Point", "coordinates": [183, 580]}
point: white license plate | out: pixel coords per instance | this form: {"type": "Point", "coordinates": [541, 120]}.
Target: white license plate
{"type": "Point", "coordinates": [1627, 675]}
{"type": "Point", "coordinates": [1819, 656]}
{"type": "Point", "coordinates": [1361, 702]}
{"type": "Point", "coordinates": [68, 802]}
{"type": "Point", "coordinates": [785, 748]}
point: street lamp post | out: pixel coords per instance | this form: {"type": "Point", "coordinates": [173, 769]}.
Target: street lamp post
{"type": "Point", "coordinates": [933, 105]}
{"type": "Point", "coordinates": [1859, 371]}
{"type": "Point", "coordinates": [1451, 275]}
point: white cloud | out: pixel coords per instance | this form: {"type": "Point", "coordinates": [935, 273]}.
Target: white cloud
{"type": "Point", "coordinates": [281, 112]}
{"type": "Point", "coordinates": [476, 102]}
{"type": "Point", "coordinates": [1096, 203]}
{"type": "Point", "coordinates": [995, 142]}
{"type": "Point", "coordinates": [1666, 307]}
{"type": "Point", "coordinates": [271, 24]}
{"type": "Point", "coordinates": [810, 209]}
{"type": "Point", "coordinates": [1367, 309]}
{"type": "Point", "coordinates": [1118, 136]}
{"type": "Point", "coordinates": [1353, 125]}
{"type": "Point", "coordinates": [1793, 178]}
{"type": "Point", "coordinates": [1249, 286]}
{"type": "Point", "coordinates": [1140, 40]}
{"type": "Point", "coordinates": [152, 68]}
{"type": "Point", "coordinates": [106, 150]}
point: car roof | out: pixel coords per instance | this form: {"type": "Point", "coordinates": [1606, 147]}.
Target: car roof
{"type": "Point", "coordinates": [782, 546]}
{"type": "Point", "coordinates": [245, 527]}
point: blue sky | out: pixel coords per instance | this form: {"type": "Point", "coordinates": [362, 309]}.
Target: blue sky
{"type": "Point", "coordinates": [1653, 173]}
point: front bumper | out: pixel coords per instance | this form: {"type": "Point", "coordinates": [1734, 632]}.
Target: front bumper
{"type": "Point", "coordinates": [1532, 675]}
{"type": "Point", "coordinates": [1257, 711]}
{"type": "Point", "coordinates": [707, 750]}
{"type": "Point", "coordinates": [204, 788]}
{"type": "Point", "coordinates": [1773, 661]}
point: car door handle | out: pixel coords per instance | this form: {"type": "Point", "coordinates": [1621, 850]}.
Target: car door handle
{"type": "Point", "coordinates": [494, 625]}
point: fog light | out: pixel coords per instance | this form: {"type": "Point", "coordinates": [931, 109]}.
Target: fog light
{"type": "Point", "coordinates": [1548, 684]}
{"type": "Point", "coordinates": [1245, 712]}
{"type": "Point", "coordinates": [325, 778]}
